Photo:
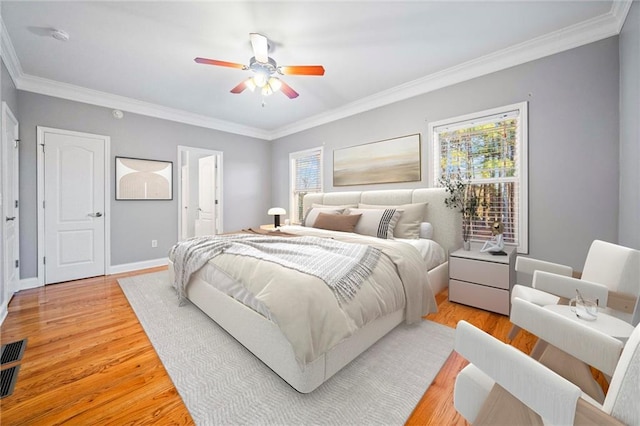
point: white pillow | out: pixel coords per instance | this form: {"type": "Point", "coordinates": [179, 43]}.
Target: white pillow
{"type": "Point", "coordinates": [426, 230]}
{"type": "Point", "coordinates": [312, 214]}
{"type": "Point", "coordinates": [376, 222]}
{"type": "Point", "coordinates": [408, 225]}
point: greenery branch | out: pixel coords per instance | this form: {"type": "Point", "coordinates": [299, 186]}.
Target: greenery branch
{"type": "Point", "coordinates": [463, 198]}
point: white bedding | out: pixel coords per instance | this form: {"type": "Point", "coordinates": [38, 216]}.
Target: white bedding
{"type": "Point", "coordinates": [307, 311]}
{"type": "Point", "coordinates": [432, 252]}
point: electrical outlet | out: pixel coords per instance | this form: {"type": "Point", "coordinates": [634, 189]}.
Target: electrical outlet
{"type": "Point", "coordinates": [154, 243]}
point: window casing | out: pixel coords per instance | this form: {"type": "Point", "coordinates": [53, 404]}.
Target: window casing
{"type": "Point", "coordinates": [488, 149]}
{"type": "Point", "coordinates": [305, 177]}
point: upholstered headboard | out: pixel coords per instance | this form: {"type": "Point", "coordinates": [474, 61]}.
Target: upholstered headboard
{"type": "Point", "coordinates": [447, 223]}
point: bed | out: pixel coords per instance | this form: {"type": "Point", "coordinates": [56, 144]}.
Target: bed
{"type": "Point", "coordinates": [225, 290]}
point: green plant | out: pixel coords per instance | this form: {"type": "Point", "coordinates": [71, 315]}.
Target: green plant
{"type": "Point", "coordinates": [463, 198]}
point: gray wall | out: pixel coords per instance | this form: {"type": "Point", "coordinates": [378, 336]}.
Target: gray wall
{"type": "Point", "coordinates": [629, 226]}
{"type": "Point", "coordinates": [575, 162]}
{"type": "Point", "coordinates": [573, 142]}
{"type": "Point", "coordinates": [246, 168]}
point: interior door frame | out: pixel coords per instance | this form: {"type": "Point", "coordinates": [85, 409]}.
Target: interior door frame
{"type": "Point", "coordinates": [183, 149]}
{"type": "Point", "coordinates": [41, 130]}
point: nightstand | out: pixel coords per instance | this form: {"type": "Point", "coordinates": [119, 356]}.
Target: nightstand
{"type": "Point", "coordinates": [482, 280]}
{"type": "Point", "coordinates": [269, 227]}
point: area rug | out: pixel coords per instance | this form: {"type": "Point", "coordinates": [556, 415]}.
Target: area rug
{"type": "Point", "coordinates": [221, 382]}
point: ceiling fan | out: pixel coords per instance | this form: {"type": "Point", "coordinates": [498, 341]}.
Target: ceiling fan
{"type": "Point", "coordinates": [265, 70]}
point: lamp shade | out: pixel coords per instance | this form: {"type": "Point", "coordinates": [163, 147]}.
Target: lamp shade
{"type": "Point", "coordinates": [275, 83]}
{"type": "Point", "coordinates": [260, 79]}
{"type": "Point", "coordinates": [276, 212]}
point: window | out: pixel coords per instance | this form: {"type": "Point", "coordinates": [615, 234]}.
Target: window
{"type": "Point", "coordinates": [306, 177]}
{"type": "Point", "coordinates": [488, 149]}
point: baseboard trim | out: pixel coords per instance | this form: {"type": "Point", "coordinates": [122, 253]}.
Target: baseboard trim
{"type": "Point", "coordinates": [27, 283]}
{"type": "Point", "coordinates": [3, 314]}
{"type": "Point", "coordinates": [128, 267]}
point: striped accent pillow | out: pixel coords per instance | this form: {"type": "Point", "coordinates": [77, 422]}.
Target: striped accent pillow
{"type": "Point", "coordinates": [409, 224]}
{"type": "Point", "coordinates": [376, 222]}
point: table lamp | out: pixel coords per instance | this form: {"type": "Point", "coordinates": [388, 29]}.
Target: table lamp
{"type": "Point", "coordinates": [276, 212]}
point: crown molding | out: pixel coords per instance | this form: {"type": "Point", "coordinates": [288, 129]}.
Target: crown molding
{"type": "Point", "coordinates": [620, 10]}
{"type": "Point", "coordinates": [589, 31]}
{"type": "Point", "coordinates": [9, 55]}
{"type": "Point", "coordinates": [94, 97]}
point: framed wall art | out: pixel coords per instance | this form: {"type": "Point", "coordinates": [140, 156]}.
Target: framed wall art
{"type": "Point", "coordinates": [138, 179]}
{"type": "Point", "coordinates": [387, 161]}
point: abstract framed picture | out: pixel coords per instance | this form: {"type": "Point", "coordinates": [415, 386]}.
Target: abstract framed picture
{"type": "Point", "coordinates": [139, 179]}
{"type": "Point", "coordinates": [388, 161]}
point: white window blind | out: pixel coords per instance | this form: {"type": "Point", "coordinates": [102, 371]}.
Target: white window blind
{"type": "Point", "coordinates": [488, 149]}
{"type": "Point", "coordinates": [306, 177]}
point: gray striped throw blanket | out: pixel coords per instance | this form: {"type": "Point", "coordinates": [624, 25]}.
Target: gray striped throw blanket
{"type": "Point", "coordinates": [342, 266]}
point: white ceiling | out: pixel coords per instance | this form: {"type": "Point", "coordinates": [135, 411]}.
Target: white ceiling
{"type": "Point", "coordinates": [138, 56]}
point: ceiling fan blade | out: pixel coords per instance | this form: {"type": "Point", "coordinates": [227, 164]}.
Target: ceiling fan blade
{"type": "Point", "coordinates": [240, 87]}
{"type": "Point", "coordinates": [287, 90]}
{"type": "Point", "coordinates": [260, 47]}
{"type": "Point", "coordinates": [302, 70]}
{"type": "Point", "coordinates": [220, 63]}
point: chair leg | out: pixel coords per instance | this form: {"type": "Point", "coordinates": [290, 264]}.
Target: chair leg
{"type": "Point", "coordinates": [538, 349]}
{"type": "Point", "coordinates": [574, 370]}
{"type": "Point", "coordinates": [513, 332]}
{"type": "Point", "coordinates": [502, 408]}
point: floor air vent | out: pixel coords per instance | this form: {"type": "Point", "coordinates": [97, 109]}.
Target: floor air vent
{"type": "Point", "coordinates": [12, 352]}
{"type": "Point", "coordinates": [8, 379]}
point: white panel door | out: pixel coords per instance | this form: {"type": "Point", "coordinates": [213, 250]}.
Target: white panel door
{"type": "Point", "coordinates": [205, 224]}
{"type": "Point", "coordinates": [184, 202]}
{"type": "Point", "coordinates": [74, 222]}
{"type": "Point", "coordinates": [10, 203]}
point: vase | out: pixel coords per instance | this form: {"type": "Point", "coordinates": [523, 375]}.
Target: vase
{"type": "Point", "coordinates": [466, 245]}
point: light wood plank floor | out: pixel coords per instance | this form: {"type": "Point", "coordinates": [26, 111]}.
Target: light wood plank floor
{"type": "Point", "coordinates": [88, 360]}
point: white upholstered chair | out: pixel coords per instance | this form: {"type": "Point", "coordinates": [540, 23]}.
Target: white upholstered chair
{"type": "Point", "coordinates": [570, 346]}
{"type": "Point", "coordinates": [502, 385]}
{"type": "Point", "coordinates": [611, 274]}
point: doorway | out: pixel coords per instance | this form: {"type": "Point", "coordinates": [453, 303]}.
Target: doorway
{"type": "Point", "coordinates": [199, 192]}
{"type": "Point", "coordinates": [73, 225]}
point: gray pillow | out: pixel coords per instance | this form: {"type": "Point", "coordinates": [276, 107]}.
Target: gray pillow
{"type": "Point", "coordinates": [312, 214]}
{"type": "Point", "coordinates": [408, 225]}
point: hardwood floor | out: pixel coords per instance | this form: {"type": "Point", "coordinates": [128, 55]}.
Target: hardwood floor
{"type": "Point", "coordinates": [88, 360]}
{"type": "Point", "coordinates": [436, 405]}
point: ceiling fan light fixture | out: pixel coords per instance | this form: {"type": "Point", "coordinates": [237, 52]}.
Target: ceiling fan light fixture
{"type": "Point", "coordinates": [250, 84]}
{"type": "Point", "coordinates": [260, 79]}
{"type": "Point", "coordinates": [275, 84]}
{"type": "Point", "coordinates": [263, 68]}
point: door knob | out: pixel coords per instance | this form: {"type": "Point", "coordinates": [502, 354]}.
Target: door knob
{"type": "Point", "coordinates": [10, 218]}
{"type": "Point", "coordinates": [95, 214]}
